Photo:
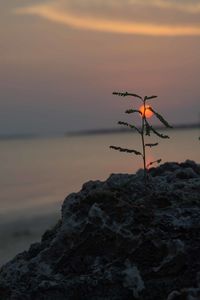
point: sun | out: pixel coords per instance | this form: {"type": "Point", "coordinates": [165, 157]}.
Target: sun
{"type": "Point", "coordinates": [146, 111]}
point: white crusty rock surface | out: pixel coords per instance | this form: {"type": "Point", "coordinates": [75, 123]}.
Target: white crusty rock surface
{"type": "Point", "coordinates": [118, 241]}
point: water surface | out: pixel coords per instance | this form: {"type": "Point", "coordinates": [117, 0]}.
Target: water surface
{"type": "Point", "coordinates": [37, 174]}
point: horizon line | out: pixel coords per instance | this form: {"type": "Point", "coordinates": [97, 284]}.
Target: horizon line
{"type": "Point", "coordinates": [119, 130]}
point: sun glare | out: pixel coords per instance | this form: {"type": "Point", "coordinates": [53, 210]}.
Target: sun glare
{"type": "Point", "coordinates": [146, 111]}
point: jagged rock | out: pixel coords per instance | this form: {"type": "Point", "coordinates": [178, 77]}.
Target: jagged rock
{"type": "Point", "coordinates": [118, 240]}
{"type": "Point", "coordinates": [185, 294]}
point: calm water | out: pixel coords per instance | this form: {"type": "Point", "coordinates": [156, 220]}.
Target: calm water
{"type": "Point", "coordinates": [37, 174]}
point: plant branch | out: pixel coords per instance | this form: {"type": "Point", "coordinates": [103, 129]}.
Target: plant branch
{"type": "Point", "coordinates": [127, 94]}
{"type": "Point", "coordinates": [151, 145]}
{"type": "Point", "coordinates": [126, 150]}
{"type": "Point", "coordinates": [129, 125]}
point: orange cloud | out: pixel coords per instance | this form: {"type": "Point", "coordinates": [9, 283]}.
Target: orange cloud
{"type": "Point", "coordinates": [54, 14]}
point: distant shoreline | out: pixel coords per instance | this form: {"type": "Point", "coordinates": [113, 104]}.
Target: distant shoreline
{"type": "Point", "coordinates": [100, 131]}
{"type": "Point", "coordinates": [17, 136]}
{"type": "Point", "coordinates": [119, 130]}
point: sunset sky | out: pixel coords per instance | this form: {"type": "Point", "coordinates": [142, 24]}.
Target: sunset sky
{"type": "Point", "coordinates": [61, 60]}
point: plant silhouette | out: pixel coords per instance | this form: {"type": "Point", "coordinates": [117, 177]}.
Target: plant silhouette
{"type": "Point", "coordinates": [145, 130]}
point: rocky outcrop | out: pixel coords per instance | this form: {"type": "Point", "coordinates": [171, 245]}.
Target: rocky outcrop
{"type": "Point", "coordinates": [118, 240]}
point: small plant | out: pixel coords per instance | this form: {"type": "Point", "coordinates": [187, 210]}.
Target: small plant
{"type": "Point", "coordinates": [145, 130]}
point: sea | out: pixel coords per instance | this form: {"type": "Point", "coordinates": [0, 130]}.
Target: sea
{"type": "Point", "coordinates": [37, 173]}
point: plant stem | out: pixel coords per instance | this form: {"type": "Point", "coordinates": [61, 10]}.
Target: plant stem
{"type": "Point", "coordinates": [143, 145]}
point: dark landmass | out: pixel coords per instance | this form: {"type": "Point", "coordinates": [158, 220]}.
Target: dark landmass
{"type": "Point", "coordinates": [117, 240]}
{"type": "Point", "coordinates": [27, 136]}
{"type": "Point", "coordinates": [119, 130]}
{"type": "Point", "coordinates": [19, 136]}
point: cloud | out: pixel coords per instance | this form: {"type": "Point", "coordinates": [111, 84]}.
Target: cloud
{"type": "Point", "coordinates": [72, 17]}
{"type": "Point", "coordinates": [191, 6]}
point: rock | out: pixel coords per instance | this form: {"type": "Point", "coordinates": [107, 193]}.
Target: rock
{"type": "Point", "coordinates": [185, 294]}
{"type": "Point", "coordinates": [118, 240]}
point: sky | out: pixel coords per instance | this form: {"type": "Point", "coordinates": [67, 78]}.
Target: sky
{"type": "Point", "coordinates": [61, 60]}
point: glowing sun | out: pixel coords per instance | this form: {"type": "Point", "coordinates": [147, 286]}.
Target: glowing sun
{"type": "Point", "coordinates": [146, 111]}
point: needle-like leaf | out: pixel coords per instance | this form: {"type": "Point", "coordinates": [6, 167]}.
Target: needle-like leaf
{"type": "Point", "coordinates": [162, 120]}
{"type": "Point", "coordinates": [126, 150]}
{"type": "Point", "coordinates": [163, 136]}
{"type": "Point", "coordinates": [158, 161]}
{"type": "Point", "coordinates": [129, 125]}
{"type": "Point", "coordinates": [124, 94]}
{"type": "Point", "coordinates": [130, 111]}
{"type": "Point", "coordinates": [151, 145]}
{"type": "Point", "coordinates": [147, 128]}
{"type": "Point", "coordinates": [150, 97]}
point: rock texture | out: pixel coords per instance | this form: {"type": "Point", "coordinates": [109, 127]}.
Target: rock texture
{"type": "Point", "coordinates": [117, 240]}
